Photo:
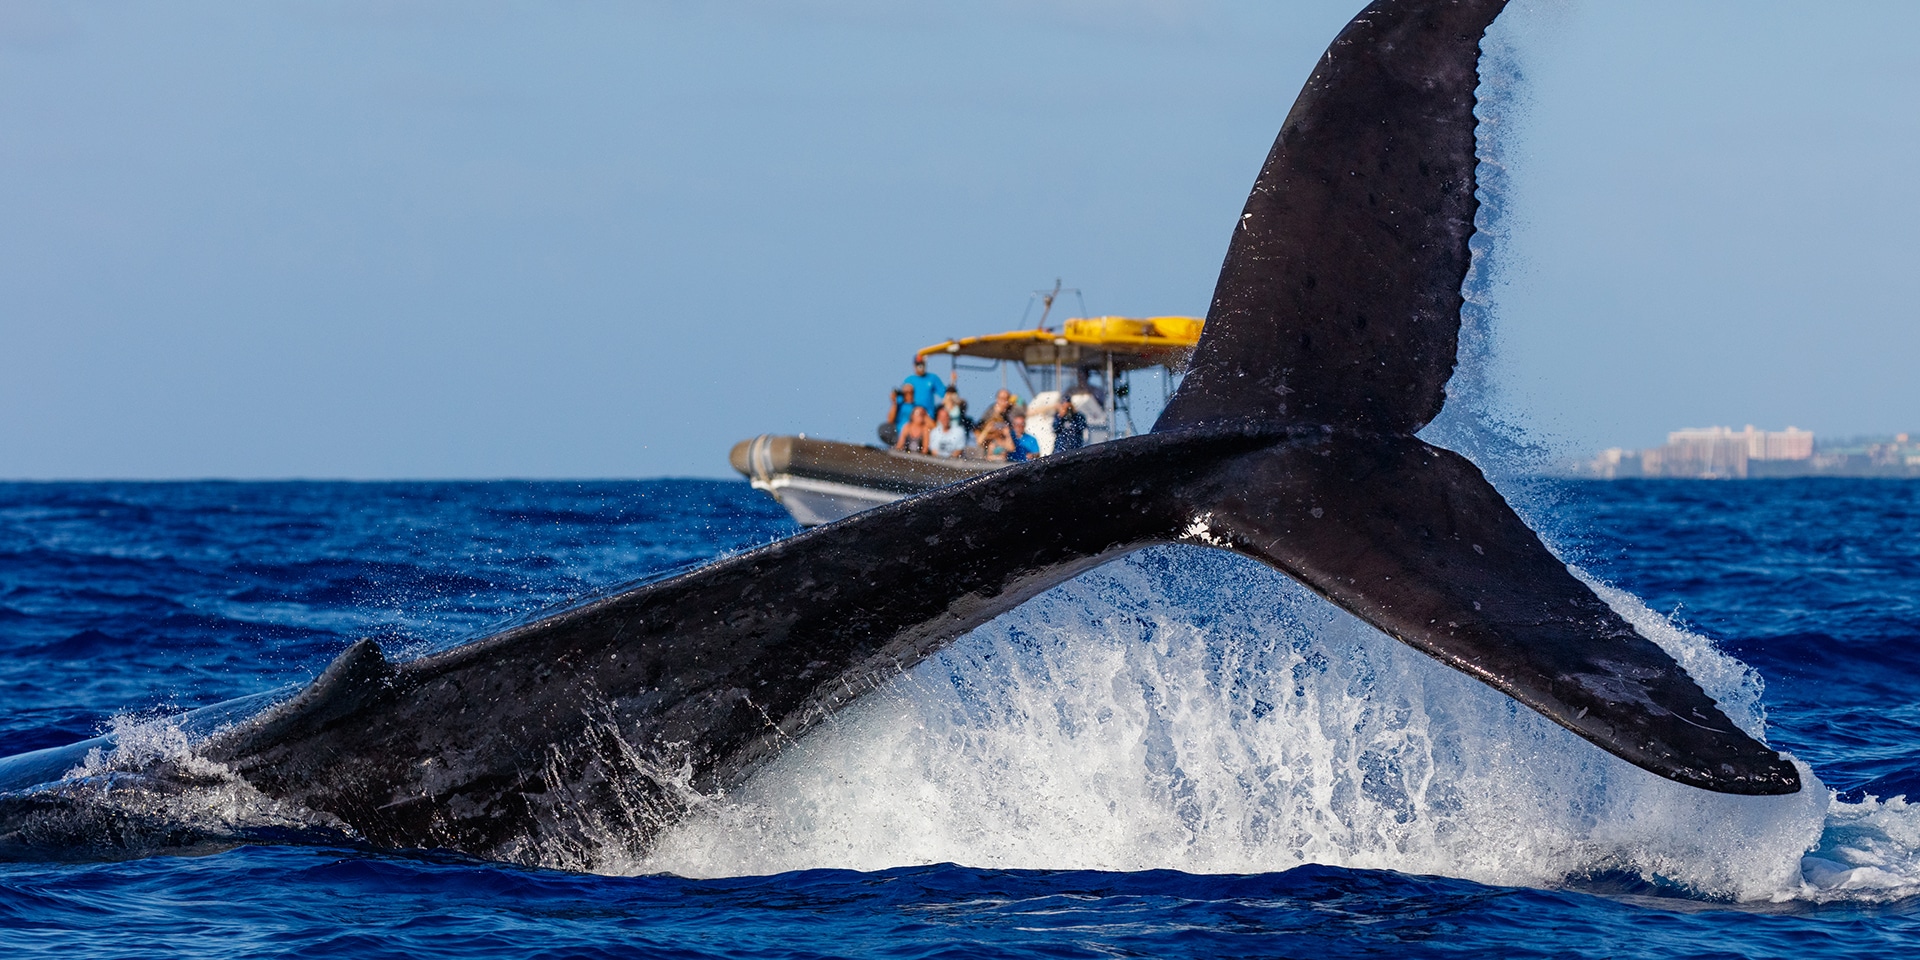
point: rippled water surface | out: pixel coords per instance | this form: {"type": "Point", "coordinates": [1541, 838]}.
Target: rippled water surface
{"type": "Point", "coordinates": [1177, 755]}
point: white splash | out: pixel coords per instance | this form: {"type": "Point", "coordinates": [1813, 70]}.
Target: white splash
{"type": "Point", "coordinates": [1870, 851]}
{"type": "Point", "coordinates": [138, 743]}
{"type": "Point", "coordinates": [1201, 531]}
{"type": "Point", "coordinates": [191, 795]}
{"type": "Point", "coordinates": [1191, 710]}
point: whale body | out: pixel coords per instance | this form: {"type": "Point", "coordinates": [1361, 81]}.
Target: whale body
{"type": "Point", "coordinates": [1328, 344]}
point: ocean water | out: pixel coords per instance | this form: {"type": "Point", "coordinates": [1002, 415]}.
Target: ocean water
{"type": "Point", "coordinates": [1181, 754]}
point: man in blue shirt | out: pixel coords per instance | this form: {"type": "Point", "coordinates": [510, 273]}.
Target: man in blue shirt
{"type": "Point", "coordinates": [927, 388]}
{"type": "Point", "coordinates": [899, 415]}
{"type": "Point", "coordinates": [1024, 447]}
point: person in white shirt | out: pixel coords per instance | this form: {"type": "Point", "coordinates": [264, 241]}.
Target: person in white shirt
{"type": "Point", "coordinates": [947, 438]}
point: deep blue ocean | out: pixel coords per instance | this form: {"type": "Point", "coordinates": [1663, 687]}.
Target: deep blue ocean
{"type": "Point", "coordinates": [1178, 755]}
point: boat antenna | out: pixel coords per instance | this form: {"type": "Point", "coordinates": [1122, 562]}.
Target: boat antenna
{"type": "Point", "coordinates": [1046, 302]}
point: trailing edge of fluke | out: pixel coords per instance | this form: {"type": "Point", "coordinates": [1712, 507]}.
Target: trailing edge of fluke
{"type": "Point", "coordinates": [1329, 342]}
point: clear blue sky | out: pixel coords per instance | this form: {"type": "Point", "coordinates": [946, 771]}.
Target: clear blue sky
{"type": "Point", "coordinates": [599, 239]}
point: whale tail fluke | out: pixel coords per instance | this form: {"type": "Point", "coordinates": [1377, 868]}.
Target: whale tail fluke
{"type": "Point", "coordinates": [1336, 317]}
{"type": "Point", "coordinates": [1415, 541]}
{"type": "Point", "coordinates": [1339, 300]}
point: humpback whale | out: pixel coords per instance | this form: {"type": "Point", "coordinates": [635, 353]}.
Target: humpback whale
{"type": "Point", "coordinates": [1329, 344]}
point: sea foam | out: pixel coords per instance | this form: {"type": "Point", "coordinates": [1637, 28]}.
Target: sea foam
{"type": "Point", "coordinates": [1192, 710]}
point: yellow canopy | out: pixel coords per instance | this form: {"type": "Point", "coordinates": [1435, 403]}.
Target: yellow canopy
{"type": "Point", "coordinates": [1133, 342]}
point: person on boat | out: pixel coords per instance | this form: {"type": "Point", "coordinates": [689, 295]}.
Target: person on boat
{"type": "Point", "coordinates": [995, 443]}
{"type": "Point", "coordinates": [956, 407]}
{"type": "Point", "coordinates": [927, 388]}
{"type": "Point", "coordinates": [947, 438]}
{"type": "Point", "coordinates": [1069, 427]}
{"type": "Point", "coordinates": [1003, 403]}
{"type": "Point", "coordinates": [913, 436]}
{"type": "Point", "coordinates": [897, 415]}
{"type": "Point", "coordinates": [1025, 447]}
{"type": "Point", "coordinates": [1039, 412]}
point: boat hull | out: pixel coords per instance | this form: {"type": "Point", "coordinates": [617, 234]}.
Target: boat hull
{"type": "Point", "coordinates": [820, 481]}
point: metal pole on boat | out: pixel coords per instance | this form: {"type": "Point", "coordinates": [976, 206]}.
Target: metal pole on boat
{"type": "Point", "coordinates": [1059, 347]}
{"type": "Point", "coordinates": [1113, 425]}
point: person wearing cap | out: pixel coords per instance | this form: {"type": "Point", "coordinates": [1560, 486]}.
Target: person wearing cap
{"type": "Point", "coordinates": [1069, 427]}
{"type": "Point", "coordinates": [928, 390]}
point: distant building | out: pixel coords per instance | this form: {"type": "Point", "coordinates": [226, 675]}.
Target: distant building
{"type": "Point", "coordinates": [1725, 454]}
{"type": "Point", "coordinates": [1722, 452]}
{"type": "Point", "coordinates": [1613, 463]}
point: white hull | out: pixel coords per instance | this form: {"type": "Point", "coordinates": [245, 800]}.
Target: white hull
{"type": "Point", "coordinates": [814, 502]}
{"type": "Point", "coordinates": [820, 481]}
